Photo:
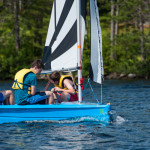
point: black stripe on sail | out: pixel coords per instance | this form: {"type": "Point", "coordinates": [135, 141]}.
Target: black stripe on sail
{"type": "Point", "coordinates": [47, 65]}
{"type": "Point", "coordinates": [69, 40]}
{"type": "Point", "coordinates": [91, 75]}
{"type": "Point", "coordinates": [62, 19]}
{"type": "Point", "coordinates": [47, 51]}
{"type": "Point", "coordinates": [45, 58]}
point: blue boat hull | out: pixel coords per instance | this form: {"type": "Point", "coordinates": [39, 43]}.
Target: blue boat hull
{"type": "Point", "coordinates": [15, 113]}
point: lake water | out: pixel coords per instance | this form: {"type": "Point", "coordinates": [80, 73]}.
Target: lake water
{"type": "Point", "coordinates": [130, 128]}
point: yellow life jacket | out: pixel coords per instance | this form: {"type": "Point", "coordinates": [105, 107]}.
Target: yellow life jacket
{"type": "Point", "coordinates": [61, 85]}
{"type": "Point", "coordinates": [19, 79]}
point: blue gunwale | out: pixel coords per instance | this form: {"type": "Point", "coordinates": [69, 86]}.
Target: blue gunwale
{"type": "Point", "coordinates": [62, 105]}
{"type": "Point", "coordinates": [15, 113]}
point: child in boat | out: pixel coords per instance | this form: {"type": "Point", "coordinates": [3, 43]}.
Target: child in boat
{"type": "Point", "coordinates": [65, 89]}
{"type": "Point", "coordinates": [25, 84]}
{"type": "Point", "coordinates": [7, 97]}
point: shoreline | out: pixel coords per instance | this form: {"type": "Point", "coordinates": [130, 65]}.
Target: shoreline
{"type": "Point", "coordinates": [110, 76]}
{"type": "Point", "coordinates": [125, 76]}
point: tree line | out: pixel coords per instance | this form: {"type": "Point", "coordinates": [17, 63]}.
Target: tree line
{"type": "Point", "coordinates": [125, 31]}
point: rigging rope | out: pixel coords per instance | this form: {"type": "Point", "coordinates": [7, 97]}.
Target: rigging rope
{"type": "Point", "coordinates": [88, 82]}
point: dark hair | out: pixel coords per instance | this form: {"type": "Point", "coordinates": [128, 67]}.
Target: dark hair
{"type": "Point", "coordinates": [38, 63]}
{"type": "Point", "coordinates": [55, 76]}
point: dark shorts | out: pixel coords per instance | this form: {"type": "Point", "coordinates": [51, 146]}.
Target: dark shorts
{"type": "Point", "coordinates": [1, 98]}
{"type": "Point", "coordinates": [39, 98]}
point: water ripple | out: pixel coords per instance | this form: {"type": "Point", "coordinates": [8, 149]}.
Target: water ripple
{"type": "Point", "coordinates": [128, 130]}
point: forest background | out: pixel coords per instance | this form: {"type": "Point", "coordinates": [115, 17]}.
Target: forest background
{"type": "Point", "coordinates": [125, 31]}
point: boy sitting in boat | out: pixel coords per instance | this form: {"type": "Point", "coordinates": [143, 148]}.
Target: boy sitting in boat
{"type": "Point", "coordinates": [65, 88]}
{"type": "Point", "coordinates": [25, 83]}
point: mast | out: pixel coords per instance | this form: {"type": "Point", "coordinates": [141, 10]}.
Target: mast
{"type": "Point", "coordinates": [79, 49]}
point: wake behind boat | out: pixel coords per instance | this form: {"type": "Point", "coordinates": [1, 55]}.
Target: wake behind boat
{"type": "Point", "coordinates": [63, 52]}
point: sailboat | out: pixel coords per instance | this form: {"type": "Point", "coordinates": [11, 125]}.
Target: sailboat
{"type": "Point", "coordinates": [63, 52]}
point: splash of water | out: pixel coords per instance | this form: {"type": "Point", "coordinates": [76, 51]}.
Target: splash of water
{"type": "Point", "coordinates": [120, 120]}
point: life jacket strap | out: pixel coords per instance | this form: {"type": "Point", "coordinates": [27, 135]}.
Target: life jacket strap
{"type": "Point", "coordinates": [16, 82]}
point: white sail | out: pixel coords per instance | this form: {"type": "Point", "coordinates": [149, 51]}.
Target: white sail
{"type": "Point", "coordinates": [96, 71]}
{"type": "Point", "coordinates": [66, 33]}
{"type": "Point", "coordinates": [60, 50]}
